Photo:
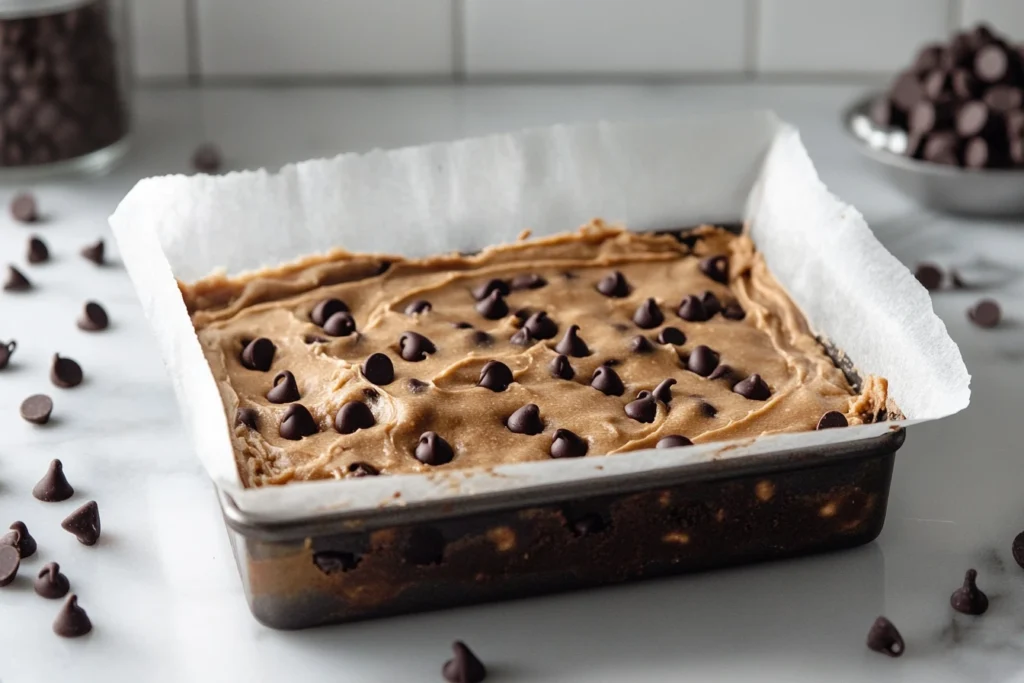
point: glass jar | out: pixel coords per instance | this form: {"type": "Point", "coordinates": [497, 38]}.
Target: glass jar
{"type": "Point", "coordinates": [63, 86]}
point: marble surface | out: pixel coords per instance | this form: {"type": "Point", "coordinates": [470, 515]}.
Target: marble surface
{"type": "Point", "coordinates": [161, 586]}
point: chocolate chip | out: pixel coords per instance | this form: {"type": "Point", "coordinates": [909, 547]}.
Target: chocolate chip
{"type": "Point", "coordinates": [285, 389]}
{"type": "Point", "coordinates": [24, 209]}
{"type": "Point", "coordinates": [493, 307]}
{"type": "Point", "coordinates": [528, 281]}
{"type": "Point", "coordinates": [38, 252]}
{"type": "Point", "coordinates": [883, 637]}
{"type": "Point", "coordinates": [94, 318]}
{"type": "Point", "coordinates": [54, 486]}
{"type": "Point", "coordinates": [424, 546]}
{"type": "Point", "coordinates": [65, 373]}
{"type": "Point", "coordinates": [607, 381]}
{"type": "Point", "coordinates": [711, 303]}
{"type": "Point", "coordinates": [486, 289]}
{"type": "Point", "coordinates": [417, 307]}
{"type": "Point", "coordinates": [754, 388]}
{"type": "Point", "coordinates": [733, 311]}
{"type": "Point", "coordinates": [248, 417]}
{"type": "Point", "coordinates": [672, 335]}
{"type": "Point", "coordinates": [464, 667]}
{"type": "Point", "coordinates": [94, 252]}
{"type": "Point", "coordinates": [1004, 98]}
{"type": "Point", "coordinates": [986, 313]}
{"type": "Point", "coordinates": [973, 118]}
{"type": "Point", "coordinates": [340, 324]}
{"type": "Point", "coordinates": [431, 449]}
{"type": "Point", "coordinates": [21, 539]}
{"type": "Point", "coordinates": [362, 469]}
{"type": "Point", "coordinates": [16, 281]}
{"type": "Point", "coordinates": [716, 268]}
{"type": "Point", "coordinates": [991, 63]}
{"type": "Point", "coordinates": [969, 599]}
{"type": "Point", "coordinates": [258, 354]}
{"type": "Point", "coordinates": [640, 344]}
{"type": "Point", "coordinates": [614, 285]}
{"type": "Point", "coordinates": [297, 422]}
{"type": "Point", "coordinates": [71, 621]}
{"type": "Point", "coordinates": [643, 409]}
{"type": "Point", "coordinates": [522, 337]}
{"type": "Point", "coordinates": [957, 280]}
{"type": "Point", "coordinates": [692, 309]}
{"type": "Point", "coordinates": [561, 368]}
{"type": "Point", "coordinates": [707, 409]}
{"type": "Point", "coordinates": [414, 347]}
{"type": "Point", "coordinates": [352, 417]}
{"type": "Point", "coordinates": [335, 561]}
{"type": "Point", "coordinates": [462, 325]}
{"type": "Point", "coordinates": [648, 315]}
{"type": "Point", "coordinates": [663, 392]}
{"type": "Point", "coordinates": [673, 441]}
{"type": "Point", "coordinates": [207, 158]}
{"type": "Point", "coordinates": [832, 420]}
{"type": "Point", "coordinates": [415, 386]}
{"type": "Point", "coordinates": [702, 361]}
{"type": "Point", "coordinates": [723, 372]}
{"type": "Point", "coordinates": [9, 563]}
{"type": "Point", "coordinates": [378, 369]}
{"type": "Point", "coordinates": [51, 583]}
{"type": "Point", "coordinates": [36, 409]}
{"type": "Point", "coordinates": [565, 444]}
{"type": "Point", "coordinates": [323, 311]}
{"type": "Point", "coordinates": [1017, 549]}
{"type": "Point", "coordinates": [495, 376]}
{"type": "Point", "coordinates": [525, 420]}
{"type": "Point", "coordinates": [6, 351]}
{"type": "Point", "coordinates": [371, 395]}
{"type": "Point", "coordinates": [84, 523]}
{"type": "Point", "coordinates": [541, 326]}
{"type": "Point", "coordinates": [571, 344]}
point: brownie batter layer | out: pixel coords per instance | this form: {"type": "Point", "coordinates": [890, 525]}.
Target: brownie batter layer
{"type": "Point", "coordinates": [471, 387]}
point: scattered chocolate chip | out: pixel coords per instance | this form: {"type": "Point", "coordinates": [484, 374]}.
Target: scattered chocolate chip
{"type": "Point", "coordinates": [6, 351]}
{"type": "Point", "coordinates": [431, 449]}
{"type": "Point", "coordinates": [207, 158]}
{"type": "Point", "coordinates": [707, 409]}
{"type": "Point", "coordinates": [24, 209]}
{"type": "Point", "coordinates": [733, 311]}
{"type": "Point", "coordinates": [417, 307]}
{"type": "Point", "coordinates": [21, 539]}
{"type": "Point", "coordinates": [464, 667]}
{"type": "Point", "coordinates": [522, 337]}
{"type": "Point", "coordinates": [258, 354]}
{"type": "Point", "coordinates": [297, 422]}
{"type": "Point", "coordinates": [493, 307]}
{"type": "Point", "coordinates": [285, 389]}
{"type": "Point", "coordinates": [54, 486]}
{"type": "Point", "coordinates": [929, 275]}
{"type": "Point", "coordinates": [643, 409]}
{"type": "Point", "coordinates": [561, 368]}
{"type": "Point", "coordinates": [352, 417]}
{"type": "Point", "coordinates": [16, 281]}
{"type": "Point", "coordinates": [969, 599]}
{"type": "Point", "coordinates": [414, 347]}
{"type": "Point", "coordinates": [711, 303]}
{"type": "Point", "coordinates": [754, 388]}
{"type": "Point", "coordinates": [424, 546]}
{"type": "Point", "coordinates": [614, 285]}
{"type": "Point", "coordinates": [462, 325]}
{"type": "Point", "coordinates": [569, 275]}
{"type": "Point", "coordinates": [1017, 549]}
{"type": "Point", "coordinates": [379, 370]}
{"type": "Point", "coordinates": [540, 326]}
{"type": "Point", "coordinates": [416, 386]}
{"type": "Point", "coordinates": [340, 324]}
{"type": "Point", "coordinates": [249, 417]}
{"type": "Point", "coordinates": [495, 375]}
{"type": "Point", "coordinates": [640, 344]}
{"type": "Point", "coordinates": [10, 560]}
{"type": "Point", "coordinates": [528, 281]}
{"type": "Point", "coordinates": [607, 381]}
{"type": "Point", "coordinates": [94, 318]}
{"type": "Point", "coordinates": [587, 525]}
{"type": "Point", "coordinates": [71, 621]}
{"type": "Point", "coordinates": [525, 420]}
{"type": "Point", "coordinates": [486, 289]}
{"type": "Point", "coordinates": [51, 583]}
{"type": "Point", "coordinates": [36, 409]}
{"type": "Point", "coordinates": [702, 361]}
{"type": "Point", "coordinates": [65, 373]}
{"type": "Point", "coordinates": [883, 637]}
{"type": "Point", "coordinates": [84, 523]}
{"type": "Point", "coordinates": [565, 444]}
{"type": "Point", "coordinates": [323, 311]}
{"type": "Point", "coordinates": [672, 335]}
{"type": "Point", "coordinates": [986, 313]}
{"type": "Point", "coordinates": [648, 315]}
{"type": "Point", "coordinates": [481, 338]}
{"type": "Point", "coordinates": [663, 392]}
{"type": "Point", "coordinates": [38, 252]}
{"type": "Point", "coordinates": [723, 372]}
{"type": "Point", "coordinates": [362, 469]}
{"type": "Point", "coordinates": [716, 268]}
{"type": "Point", "coordinates": [692, 309]}
{"type": "Point", "coordinates": [94, 252]}
{"type": "Point", "coordinates": [831, 420]}
{"type": "Point", "coordinates": [673, 441]}
{"type": "Point", "coordinates": [335, 561]}
{"type": "Point", "coordinates": [571, 344]}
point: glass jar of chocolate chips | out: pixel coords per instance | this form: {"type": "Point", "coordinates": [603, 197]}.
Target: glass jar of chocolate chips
{"type": "Point", "coordinates": [63, 80]}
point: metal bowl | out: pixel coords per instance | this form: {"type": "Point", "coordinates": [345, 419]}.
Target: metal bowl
{"type": "Point", "coordinates": [997, 192]}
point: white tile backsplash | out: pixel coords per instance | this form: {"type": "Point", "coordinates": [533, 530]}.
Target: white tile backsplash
{"type": "Point", "coordinates": [604, 36]}
{"type": "Point", "coordinates": [1006, 16]}
{"type": "Point", "coordinates": [160, 38]}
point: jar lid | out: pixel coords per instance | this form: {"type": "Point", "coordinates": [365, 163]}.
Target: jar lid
{"type": "Point", "coordinates": [18, 9]}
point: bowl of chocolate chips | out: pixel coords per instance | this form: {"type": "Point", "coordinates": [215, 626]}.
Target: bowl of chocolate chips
{"type": "Point", "coordinates": [949, 131]}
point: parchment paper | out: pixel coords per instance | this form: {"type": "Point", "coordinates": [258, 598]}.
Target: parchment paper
{"type": "Point", "coordinates": [468, 194]}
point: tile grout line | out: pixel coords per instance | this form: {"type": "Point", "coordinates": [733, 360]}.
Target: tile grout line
{"type": "Point", "coordinates": [192, 42]}
{"type": "Point", "coordinates": [458, 9]}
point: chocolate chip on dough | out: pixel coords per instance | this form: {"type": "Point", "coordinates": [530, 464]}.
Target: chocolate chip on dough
{"type": "Point", "coordinates": [663, 392]}
{"type": "Point", "coordinates": [673, 441]}
{"type": "Point", "coordinates": [354, 416]}
{"type": "Point", "coordinates": [716, 268]}
{"type": "Point", "coordinates": [526, 420]}
{"type": "Point", "coordinates": [417, 307]}
{"type": "Point", "coordinates": [672, 335]}
{"type": "Point", "coordinates": [522, 337]}
{"type": "Point", "coordinates": [648, 315]}
{"type": "Point", "coordinates": [607, 381]}
{"type": "Point", "coordinates": [614, 284]}
{"type": "Point", "coordinates": [702, 361]}
{"type": "Point", "coordinates": [528, 281]}
{"type": "Point", "coordinates": [566, 444]}
{"type": "Point", "coordinates": [285, 389]}
{"type": "Point", "coordinates": [692, 309]}
{"type": "Point", "coordinates": [561, 368]}
{"type": "Point", "coordinates": [431, 449]}
{"type": "Point", "coordinates": [297, 422]}
{"type": "Point", "coordinates": [323, 311]}
{"type": "Point", "coordinates": [754, 388]}
{"type": "Point", "coordinates": [414, 347]}
{"type": "Point", "coordinates": [831, 420]}
{"type": "Point", "coordinates": [258, 354]}
{"type": "Point", "coordinates": [493, 307]}
{"type": "Point", "coordinates": [379, 369]}
{"type": "Point", "coordinates": [643, 409]}
{"type": "Point", "coordinates": [540, 326]}
{"type": "Point", "coordinates": [571, 344]}
{"type": "Point", "coordinates": [248, 417]}
{"type": "Point", "coordinates": [640, 344]}
{"type": "Point", "coordinates": [489, 287]}
{"type": "Point", "coordinates": [495, 376]}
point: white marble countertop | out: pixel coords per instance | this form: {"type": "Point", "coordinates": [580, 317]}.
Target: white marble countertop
{"type": "Point", "coordinates": [162, 589]}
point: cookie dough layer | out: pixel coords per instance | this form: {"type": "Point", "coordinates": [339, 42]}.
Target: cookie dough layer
{"type": "Point", "coordinates": [440, 393]}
